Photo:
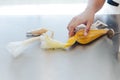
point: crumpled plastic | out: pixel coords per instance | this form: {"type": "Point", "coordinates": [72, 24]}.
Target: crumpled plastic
{"type": "Point", "coordinates": [50, 43]}
{"type": "Point", "coordinates": [17, 48]}
{"type": "Point", "coordinates": [47, 42]}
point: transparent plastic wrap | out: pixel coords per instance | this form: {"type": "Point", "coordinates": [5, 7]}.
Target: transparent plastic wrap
{"type": "Point", "coordinates": [46, 42]}
{"type": "Point", "coordinates": [16, 48]}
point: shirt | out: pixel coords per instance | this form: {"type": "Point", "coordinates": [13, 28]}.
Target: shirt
{"type": "Point", "coordinates": [114, 3]}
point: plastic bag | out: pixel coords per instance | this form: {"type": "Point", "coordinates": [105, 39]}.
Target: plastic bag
{"type": "Point", "coordinates": [16, 48]}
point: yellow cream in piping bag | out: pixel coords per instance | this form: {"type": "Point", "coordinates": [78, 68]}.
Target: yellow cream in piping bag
{"type": "Point", "coordinates": [92, 35]}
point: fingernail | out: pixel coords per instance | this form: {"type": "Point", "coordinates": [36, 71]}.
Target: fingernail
{"type": "Point", "coordinates": [85, 33]}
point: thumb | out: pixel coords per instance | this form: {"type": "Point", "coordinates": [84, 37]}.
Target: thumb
{"type": "Point", "coordinates": [87, 28]}
{"type": "Point", "coordinates": [71, 31]}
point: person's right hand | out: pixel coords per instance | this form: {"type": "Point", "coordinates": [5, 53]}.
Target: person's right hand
{"type": "Point", "coordinates": [87, 18]}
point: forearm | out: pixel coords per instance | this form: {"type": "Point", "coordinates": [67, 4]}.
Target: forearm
{"type": "Point", "coordinates": [94, 5]}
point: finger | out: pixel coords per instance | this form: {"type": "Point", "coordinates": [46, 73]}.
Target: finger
{"type": "Point", "coordinates": [87, 28]}
{"type": "Point", "coordinates": [71, 28]}
{"type": "Point", "coordinates": [72, 22]}
{"type": "Point", "coordinates": [71, 31]}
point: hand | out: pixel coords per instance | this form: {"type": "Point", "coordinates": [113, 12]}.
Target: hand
{"type": "Point", "coordinates": [87, 18]}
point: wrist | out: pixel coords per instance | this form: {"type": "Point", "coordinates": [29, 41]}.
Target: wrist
{"type": "Point", "coordinates": [90, 11]}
